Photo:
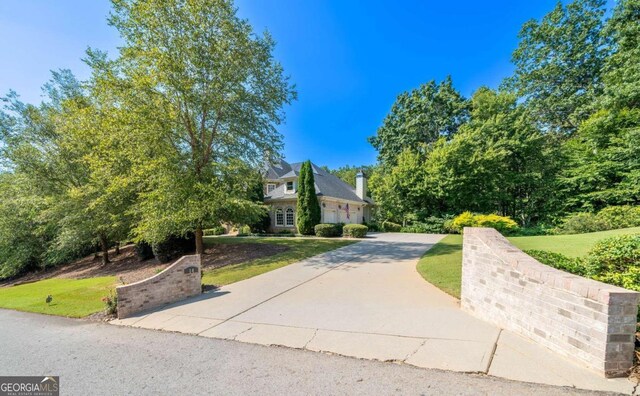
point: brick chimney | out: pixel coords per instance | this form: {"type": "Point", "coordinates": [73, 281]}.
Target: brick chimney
{"type": "Point", "coordinates": [361, 185]}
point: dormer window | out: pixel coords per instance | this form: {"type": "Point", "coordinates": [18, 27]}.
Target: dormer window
{"type": "Point", "coordinates": [290, 187]}
{"type": "Point", "coordinates": [270, 187]}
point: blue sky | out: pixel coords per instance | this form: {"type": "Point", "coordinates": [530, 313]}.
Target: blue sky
{"type": "Point", "coordinates": [348, 59]}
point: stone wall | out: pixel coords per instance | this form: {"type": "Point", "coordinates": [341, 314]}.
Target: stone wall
{"type": "Point", "coordinates": [181, 280]}
{"type": "Point", "coordinates": [580, 318]}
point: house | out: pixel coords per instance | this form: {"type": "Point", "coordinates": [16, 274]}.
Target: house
{"type": "Point", "coordinates": [339, 202]}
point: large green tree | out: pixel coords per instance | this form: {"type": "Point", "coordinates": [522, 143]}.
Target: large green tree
{"type": "Point", "coordinates": [54, 148]}
{"type": "Point", "coordinates": [604, 156]}
{"type": "Point", "coordinates": [422, 115]}
{"type": "Point", "coordinates": [211, 96]}
{"type": "Point", "coordinates": [308, 208]}
{"type": "Point", "coordinates": [559, 62]}
{"type": "Point", "coordinates": [497, 162]}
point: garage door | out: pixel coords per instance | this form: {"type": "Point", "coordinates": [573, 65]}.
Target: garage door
{"type": "Point", "coordinates": [330, 216]}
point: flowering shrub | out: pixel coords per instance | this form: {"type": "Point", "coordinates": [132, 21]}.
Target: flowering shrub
{"type": "Point", "coordinates": [111, 303]}
{"type": "Point", "coordinates": [502, 224]}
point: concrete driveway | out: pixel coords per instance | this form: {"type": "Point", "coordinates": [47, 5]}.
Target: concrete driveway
{"type": "Point", "coordinates": [367, 301]}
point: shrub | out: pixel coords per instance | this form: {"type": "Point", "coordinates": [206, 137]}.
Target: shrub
{"type": "Point", "coordinates": [616, 254]}
{"type": "Point", "coordinates": [579, 223]}
{"type": "Point", "coordinates": [431, 225]}
{"type": "Point", "coordinates": [624, 216]}
{"type": "Point", "coordinates": [616, 261]}
{"type": "Point", "coordinates": [173, 247]}
{"type": "Point", "coordinates": [262, 225]}
{"type": "Point", "coordinates": [110, 304]}
{"type": "Point", "coordinates": [629, 279]}
{"type": "Point", "coordinates": [286, 233]}
{"type": "Point", "coordinates": [559, 261]}
{"type": "Point", "coordinates": [502, 224]}
{"type": "Point", "coordinates": [328, 230]}
{"type": "Point", "coordinates": [355, 230]}
{"type": "Point", "coordinates": [388, 226]}
{"type": "Point", "coordinates": [217, 230]}
{"type": "Point", "coordinates": [533, 231]}
{"type": "Point", "coordinates": [447, 227]}
{"type": "Point", "coordinates": [373, 227]}
{"type": "Point", "coordinates": [144, 251]}
{"type": "Point", "coordinates": [244, 230]}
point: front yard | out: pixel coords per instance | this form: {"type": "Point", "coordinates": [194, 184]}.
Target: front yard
{"type": "Point", "coordinates": [77, 289]}
{"type": "Point", "coordinates": [297, 249]}
{"type": "Point", "coordinates": [442, 265]}
{"type": "Point", "coordinates": [74, 298]}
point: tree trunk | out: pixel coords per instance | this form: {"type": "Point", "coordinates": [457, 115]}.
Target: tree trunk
{"type": "Point", "coordinates": [117, 252]}
{"type": "Point", "coordinates": [199, 242]}
{"type": "Point", "coordinates": [105, 249]}
{"type": "Point", "coordinates": [96, 255]}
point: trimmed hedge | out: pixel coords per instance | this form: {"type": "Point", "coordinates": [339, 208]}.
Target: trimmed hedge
{"type": "Point", "coordinates": [328, 230]}
{"type": "Point", "coordinates": [389, 226]}
{"type": "Point", "coordinates": [355, 230]}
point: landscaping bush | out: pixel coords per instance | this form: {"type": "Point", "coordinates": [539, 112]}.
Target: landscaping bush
{"type": "Point", "coordinates": [144, 251]}
{"type": "Point", "coordinates": [328, 230]}
{"type": "Point", "coordinates": [244, 230]}
{"type": "Point", "coordinates": [614, 255]}
{"type": "Point", "coordinates": [447, 227]}
{"type": "Point", "coordinates": [355, 230]}
{"type": "Point", "coordinates": [502, 224]}
{"type": "Point", "coordinates": [614, 217]}
{"type": "Point", "coordinates": [174, 247]}
{"type": "Point", "coordinates": [286, 233]}
{"type": "Point", "coordinates": [218, 230]}
{"type": "Point", "coordinates": [111, 304]}
{"type": "Point", "coordinates": [615, 261]}
{"type": "Point", "coordinates": [262, 225]}
{"type": "Point", "coordinates": [559, 261]}
{"type": "Point", "coordinates": [431, 225]}
{"type": "Point", "coordinates": [533, 231]}
{"type": "Point", "coordinates": [609, 218]}
{"type": "Point", "coordinates": [465, 219]}
{"type": "Point", "coordinates": [373, 227]}
{"type": "Point", "coordinates": [388, 226]}
{"type": "Point", "coordinates": [580, 223]}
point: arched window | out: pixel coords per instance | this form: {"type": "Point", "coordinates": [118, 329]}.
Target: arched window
{"type": "Point", "coordinates": [290, 219]}
{"type": "Point", "coordinates": [279, 217]}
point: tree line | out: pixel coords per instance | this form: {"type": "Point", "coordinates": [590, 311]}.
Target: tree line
{"type": "Point", "coordinates": [561, 135]}
{"type": "Point", "coordinates": [167, 138]}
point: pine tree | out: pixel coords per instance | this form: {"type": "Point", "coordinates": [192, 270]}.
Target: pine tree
{"type": "Point", "coordinates": [308, 208]}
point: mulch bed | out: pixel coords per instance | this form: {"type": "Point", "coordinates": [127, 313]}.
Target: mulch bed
{"type": "Point", "coordinates": [128, 269]}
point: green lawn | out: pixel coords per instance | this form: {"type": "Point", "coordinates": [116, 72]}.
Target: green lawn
{"type": "Point", "coordinates": [570, 245]}
{"type": "Point", "coordinates": [442, 265]}
{"type": "Point", "coordinates": [299, 249]}
{"type": "Point", "coordinates": [71, 297]}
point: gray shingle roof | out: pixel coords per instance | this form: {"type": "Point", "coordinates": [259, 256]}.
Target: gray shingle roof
{"type": "Point", "coordinates": [326, 184]}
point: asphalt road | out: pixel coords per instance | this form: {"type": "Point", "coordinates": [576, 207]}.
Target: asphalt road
{"type": "Point", "coordinates": [101, 359]}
